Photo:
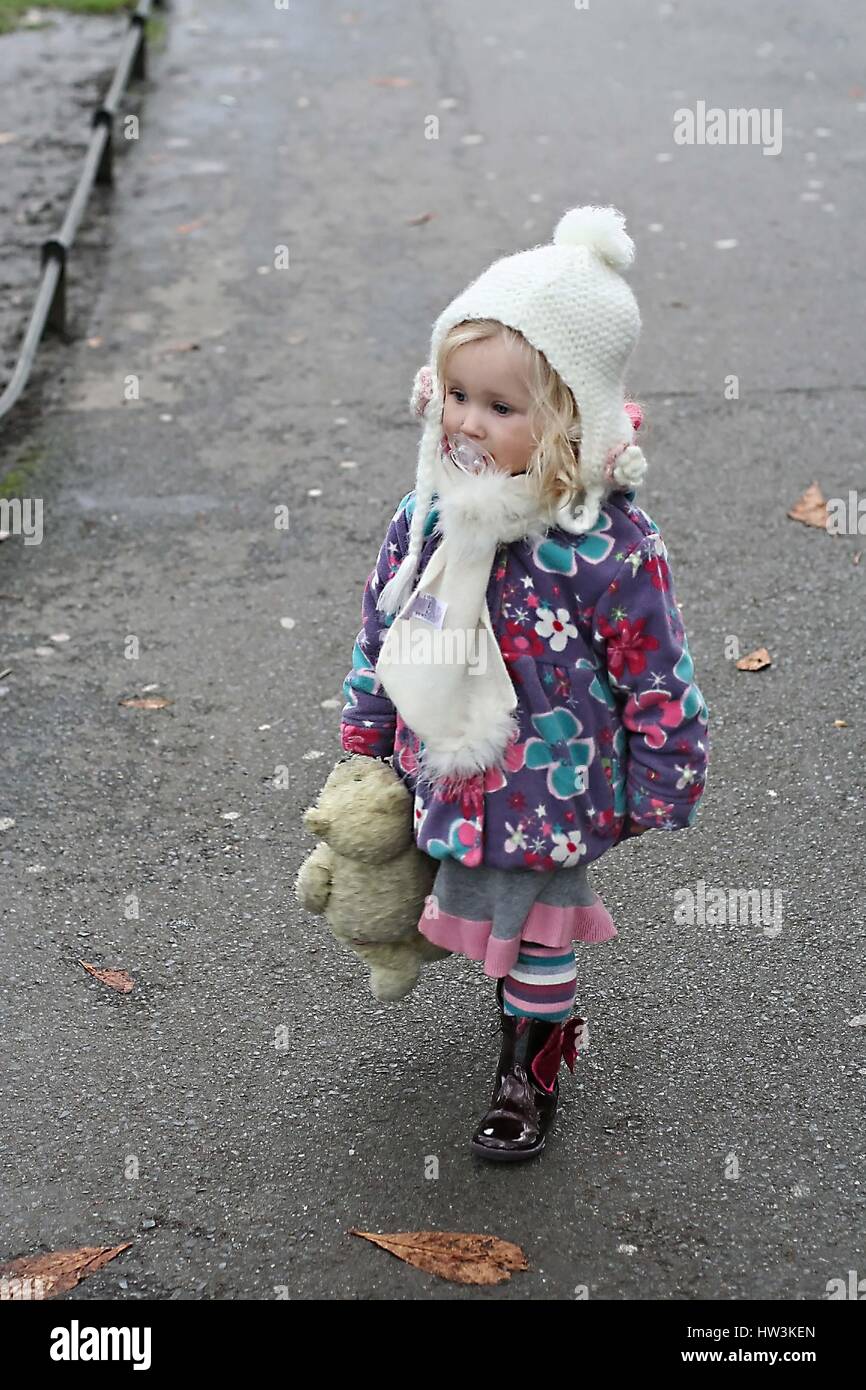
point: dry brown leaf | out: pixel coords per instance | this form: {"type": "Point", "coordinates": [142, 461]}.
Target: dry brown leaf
{"type": "Point", "coordinates": [55, 1271]}
{"type": "Point", "coordinates": [840, 723]}
{"type": "Point", "coordinates": [117, 979]}
{"type": "Point", "coordinates": [190, 226]}
{"type": "Point", "coordinates": [811, 508]}
{"type": "Point", "coordinates": [145, 702]}
{"type": "Point", "coordinates": [460, 1256]}
{"type": "Point", "coordinates": [422, 217]}
{"type": "Point", "coordinates": [755, 661]}
{"type": "Point", "coordinates": [392, 81]}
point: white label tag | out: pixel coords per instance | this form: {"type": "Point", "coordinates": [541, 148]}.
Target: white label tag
{"type": "Point", "coordinates": [428, 608]}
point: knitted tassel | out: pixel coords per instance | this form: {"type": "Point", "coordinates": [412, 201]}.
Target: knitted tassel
{"type": "Point", "coordinates": [630, 467]}
{"type": "Point", "coordinates": [397, 591]}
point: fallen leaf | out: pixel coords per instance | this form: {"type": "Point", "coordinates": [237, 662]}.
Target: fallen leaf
{"type": "Point", "coordinates": [149, 702]}
{"type": "Point", "coordinates": [183, 347]}
{"type": "Point", "coordinates": [840, 723]}
{"type": "Point", "coordinates": [422, 217]}
{"type": "Point", "coordinates": [115, 979]}
{"type": "Point", "coordinates": [392, 81]}
{"type": "Point", "coordinates": [811, 508]}
{"type": "Point", "coordinates": [462, 1257]}
{"type": "Point", "coordinates": [55, 1271]}
{"type": "Point", "coordinates": [190, 226]}
{"type": "Point", "coordinates": [755, 661]}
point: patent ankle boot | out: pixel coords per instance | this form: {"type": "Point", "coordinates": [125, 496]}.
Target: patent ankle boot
{"type": "Point", "coordinates": [526, 1090]}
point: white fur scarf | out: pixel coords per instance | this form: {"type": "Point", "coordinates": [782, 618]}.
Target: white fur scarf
{"type": "Point", "coordinates": [440, 663]}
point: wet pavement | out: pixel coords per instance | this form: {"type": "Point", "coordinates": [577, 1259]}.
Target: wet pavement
{"type": "Point", "coordinates": [711, 1143]}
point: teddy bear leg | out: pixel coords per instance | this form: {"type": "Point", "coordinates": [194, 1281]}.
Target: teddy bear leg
{"type": "Point", "coordinates": [394, 971]}
{"type": "Point", "coordinates": [428, 950]}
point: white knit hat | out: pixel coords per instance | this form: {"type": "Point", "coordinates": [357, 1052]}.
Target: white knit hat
{"type": "Point", "coordinates": [568, 300]}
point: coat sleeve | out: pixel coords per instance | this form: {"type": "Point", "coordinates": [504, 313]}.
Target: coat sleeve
{"type": "Point", "coordinates": [368, 720]}
{"type": "Point", "coordinates": [638, 632]}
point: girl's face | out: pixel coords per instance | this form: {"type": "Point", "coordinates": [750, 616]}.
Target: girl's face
{"type": "Point", "coordinates": [487, 398]}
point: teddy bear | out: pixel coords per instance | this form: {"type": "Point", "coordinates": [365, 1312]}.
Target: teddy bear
{"type": "Point", "coordinates": [367, 876]}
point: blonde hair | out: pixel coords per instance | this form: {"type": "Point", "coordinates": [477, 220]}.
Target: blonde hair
{"type": "Point", "coordinates": [554, 415]}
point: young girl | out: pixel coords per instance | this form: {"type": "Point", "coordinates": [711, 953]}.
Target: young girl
{"type": "Point", "coordinates": [522, 654]}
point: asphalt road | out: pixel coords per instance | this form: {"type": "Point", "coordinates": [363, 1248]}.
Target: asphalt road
{"type": "Point", "coordinates": [711, 1143]}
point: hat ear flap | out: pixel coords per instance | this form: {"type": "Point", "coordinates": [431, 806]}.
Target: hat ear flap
{"type": "Point", "coordinates": [422, 391]}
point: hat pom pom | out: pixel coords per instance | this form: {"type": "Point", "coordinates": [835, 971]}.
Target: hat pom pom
{"type": "Point", "coordinates": [601, 229]}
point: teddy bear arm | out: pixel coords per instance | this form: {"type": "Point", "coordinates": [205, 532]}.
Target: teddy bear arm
{"type": "Point", "coordinates": [313, 883]}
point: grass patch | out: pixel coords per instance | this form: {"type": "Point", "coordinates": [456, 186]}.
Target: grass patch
{"type": "Point", "coordinates": [19, 479]}
{"type": "Point", "coordinates": [156, 30]}
{"type": "Point", "coordinates": [12, 10]}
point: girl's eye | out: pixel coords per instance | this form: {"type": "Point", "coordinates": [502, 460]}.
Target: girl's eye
{"type": "Point", "coordinates": [499, 406]}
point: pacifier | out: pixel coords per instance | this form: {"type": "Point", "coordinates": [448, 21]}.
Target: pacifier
{"type": "Point", "coordinates": [468, 455]}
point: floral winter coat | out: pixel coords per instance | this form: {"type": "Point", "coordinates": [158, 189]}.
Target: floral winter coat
{"type": "Point", "coordinates": [612, 724]}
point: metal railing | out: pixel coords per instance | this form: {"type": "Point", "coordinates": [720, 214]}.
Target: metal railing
{"type": "Point", "coordinates": [49, 311]}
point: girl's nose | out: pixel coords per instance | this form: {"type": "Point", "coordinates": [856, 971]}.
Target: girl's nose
{"type": "Point", "coordinates": [472, 424]}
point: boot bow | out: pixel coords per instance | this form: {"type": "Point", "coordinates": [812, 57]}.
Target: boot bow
{"type": "Point", "coordinates": [563, 1043]}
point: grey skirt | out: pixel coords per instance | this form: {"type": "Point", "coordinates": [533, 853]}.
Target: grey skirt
{"type": "Point", "coordinates": [486, 912]}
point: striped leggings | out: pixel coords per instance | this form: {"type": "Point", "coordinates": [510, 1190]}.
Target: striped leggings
{"type": "Point", "coordinates": [542, 983]}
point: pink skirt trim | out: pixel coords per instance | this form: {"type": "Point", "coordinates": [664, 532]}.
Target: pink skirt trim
{"type": "Point", "coordinates": [547, 925]}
